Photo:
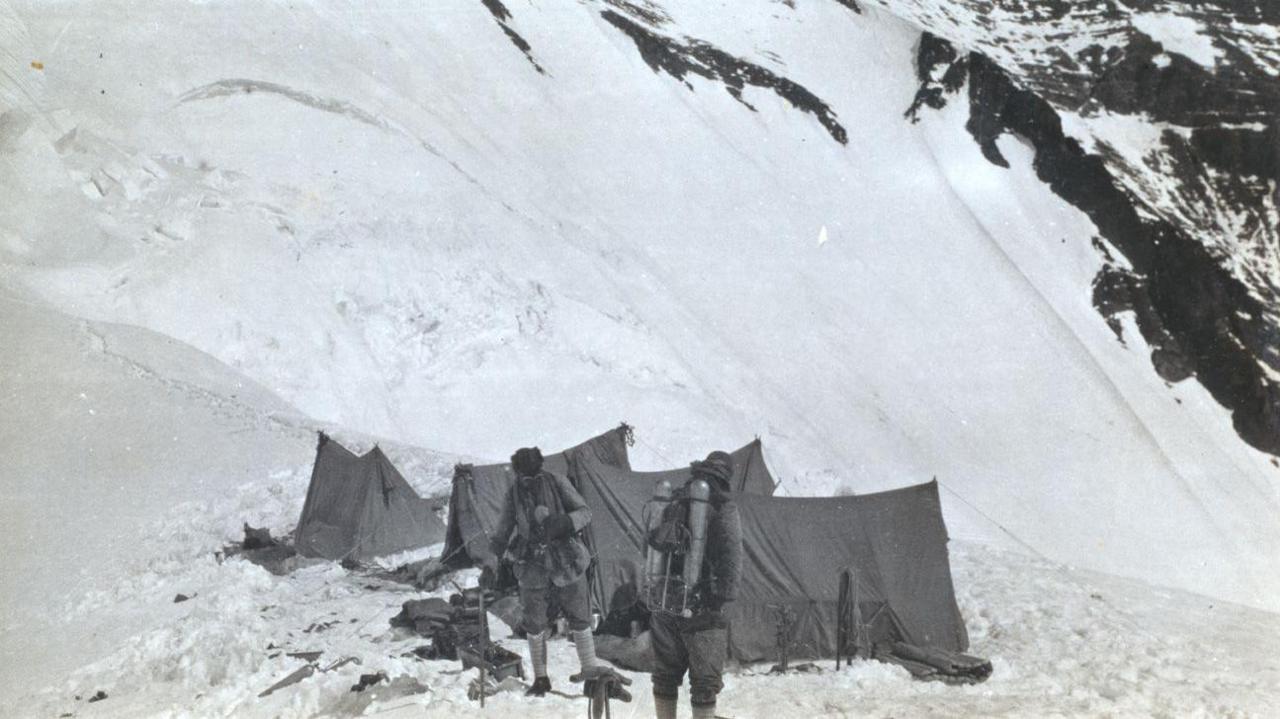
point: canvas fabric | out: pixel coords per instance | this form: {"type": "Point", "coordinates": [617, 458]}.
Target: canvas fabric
{"type": "Point", "coordinates": [894, 542]}
{"type": "Point", "coordinates": [360, 507]}
{"type": "Point", "coordinates": [480, 493]}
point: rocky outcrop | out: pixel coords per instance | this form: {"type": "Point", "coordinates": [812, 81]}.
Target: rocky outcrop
{"type": "Point", "coordinates": [1201, 319]}
{"type": "Point", "coordinates": [680, 57]}
{"type": "Point", "coordinates": [502, 15]}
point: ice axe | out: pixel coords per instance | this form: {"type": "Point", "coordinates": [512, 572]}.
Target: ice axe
{"type": "Point", "coordinates": [600, 684]}
{"type": "Point", "coordinates": [484, 645]}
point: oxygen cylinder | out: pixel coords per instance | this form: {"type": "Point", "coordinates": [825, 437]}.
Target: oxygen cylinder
{"type": "Point", "coordinates": [655, 562]}
{"type": "Point", "coordinates": [699, 498]}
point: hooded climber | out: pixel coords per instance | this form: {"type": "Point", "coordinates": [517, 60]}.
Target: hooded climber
{"type": "Point", "coordinates": [538, 533]}
{"type": "Point", "coordinates": [699, 643]}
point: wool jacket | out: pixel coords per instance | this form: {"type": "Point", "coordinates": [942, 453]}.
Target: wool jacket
{"type": "Point", "coordinates": [518, 536]}
{"type": "Point", "coordinates": [722, 565]}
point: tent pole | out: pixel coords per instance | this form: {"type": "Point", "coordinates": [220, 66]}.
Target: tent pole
{"type": "Point", "coordinates": [855, 614]}
{"type": "Point", "coordinates": [842, 601]}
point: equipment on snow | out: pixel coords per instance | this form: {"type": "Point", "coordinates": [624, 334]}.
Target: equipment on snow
{"type": "Point", "coordinates": [301, 673]}
{"type": "Point", "coordinates": [785, 619]}
{"type": "Point", "coordinates": [599, 685]}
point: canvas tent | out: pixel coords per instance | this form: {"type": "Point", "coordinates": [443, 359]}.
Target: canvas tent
{"type": "Point", "coordinates": [894, 542]}
{"type": "Point", "coordinates": [479, 492]}
{"type": "Point", "coordinates": [750, 475]}
{"type": "Point", "coordinates": [359, 507]}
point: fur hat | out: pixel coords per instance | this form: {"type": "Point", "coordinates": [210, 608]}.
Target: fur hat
{"type": "Point", "coordinates": [527, 461]}
{"type": "Point", "coordinates": [717, 469]}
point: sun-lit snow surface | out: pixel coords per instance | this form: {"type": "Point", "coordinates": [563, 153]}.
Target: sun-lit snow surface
{"type": "Point", "coordinates": [101, 615]}
{"type": "Point", "coordinates": [1063, 643]}
{"type": "Point", "coordinates": [107, 430]}
{"type": "Point", "coordinates": [392, 220]}
{"type": "Point", "coordinates": [1059, 49]}
{"type": "Point", "coordinates": [426, 238]}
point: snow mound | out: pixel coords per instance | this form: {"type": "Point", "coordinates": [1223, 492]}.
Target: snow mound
{"type": "Point", "coordinates": [130, 456]}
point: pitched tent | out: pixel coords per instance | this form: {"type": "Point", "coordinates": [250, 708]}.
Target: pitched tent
{"type": "Point", "coordinates": [359, 507]}
{"type": "Point", "coordinates": [479, 491]}
{"type": "Point", "coordinates": [793, 552]}
{"type": "Point", "coordinates": [750, 475]}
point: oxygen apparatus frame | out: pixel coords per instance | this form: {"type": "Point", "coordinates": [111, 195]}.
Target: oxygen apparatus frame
{"type": "Point", "coordinates": [661, 590]}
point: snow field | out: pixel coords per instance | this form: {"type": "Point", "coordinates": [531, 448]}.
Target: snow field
{"type": "Point", "coordinates": [362, 220]}
{"type": "Point", "coordinates": [1063, 642]}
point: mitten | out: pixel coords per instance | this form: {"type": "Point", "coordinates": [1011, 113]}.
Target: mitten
{"type": "Point", "coordinates": [557, 526]}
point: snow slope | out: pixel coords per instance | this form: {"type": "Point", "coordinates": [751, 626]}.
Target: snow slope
{"type": "Point", "coordinates": [709, 224]}
{"type": "Point", "coordinates": [139, 516]}
{"type": "Point", "coordinates": [108, 430]}
{"type": "Point", "coordinates": [431, 239]}
{"type": "Point", "coordinates": [1063, 643]}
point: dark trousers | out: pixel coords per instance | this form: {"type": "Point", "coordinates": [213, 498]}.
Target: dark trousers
{"type": "Point", "coordinates": [700, 650]}
{"type": "Point", "coordinates": [574, 600]}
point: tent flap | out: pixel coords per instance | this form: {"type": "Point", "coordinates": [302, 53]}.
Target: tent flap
{"type": "Point", "coordinates": [479, 492]}
{"type": "Point", "coordinates": [893, 542]}
{"type": "Point", "coordinates": [359, 507]}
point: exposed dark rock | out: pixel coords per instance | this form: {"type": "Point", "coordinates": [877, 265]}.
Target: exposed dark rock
{"type": "Point", "coordinates": [1214, 114]}
{"type": "Point", "coordinates": [642, 9]}
{"type": "Point", "coordinates": [1189, 294]}
{"type": "Point", "coordinates": [680, 58]}
{"type": "Point", "coordinates": [852, 5]}
{"type": "Point", "coordinates": [503, 16]}
{"type": "Point", "coordinates": [1176, 89]}
{"type": "Point", "coordinates": [1116, 291]}
{"type": "Point", "coordinates": [1250, 152]}
{"type": "Point", "coordinates": [1199, 319]}
{"type": "Point", "coordinates": [934, 53]}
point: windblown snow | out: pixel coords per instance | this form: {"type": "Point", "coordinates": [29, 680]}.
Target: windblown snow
{"type": "Point", "coordinates": [227, 225]}
{"type": "Point", "coordinates": [1182, 35]}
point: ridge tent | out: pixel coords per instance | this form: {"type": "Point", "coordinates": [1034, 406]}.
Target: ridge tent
{"type": "Point", "coordinates": [794, 549]}
{"type": "Point", "coordinates": [359, 507]}
{"type": "Point", "coordinates": [479, 492]}
{"type": "Point", "coordinates": [750, 475]}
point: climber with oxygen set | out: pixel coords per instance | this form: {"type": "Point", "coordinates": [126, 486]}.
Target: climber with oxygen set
{"type": "Point", "coordinates": [693, 565]}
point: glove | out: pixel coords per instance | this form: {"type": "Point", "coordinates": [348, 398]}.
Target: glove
{"type": "Point", "coordinates": [707, 618]}
{"type": "Point", "coordinates": [557, 526]}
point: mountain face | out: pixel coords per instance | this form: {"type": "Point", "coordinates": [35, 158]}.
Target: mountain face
{"type": "Point", "coordinates": [1028, 248]}
{"type": "Point", "coordinates": [1192, 205]}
